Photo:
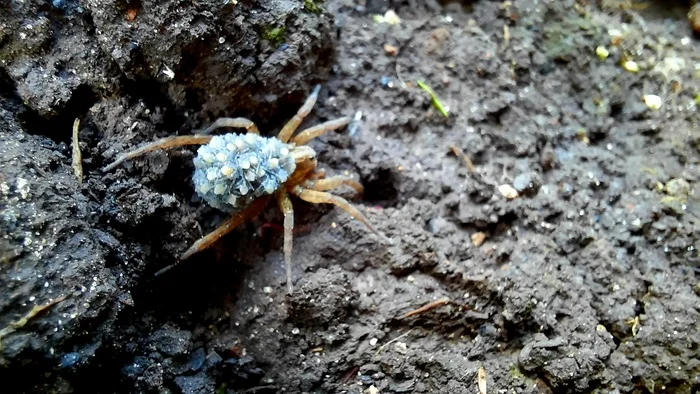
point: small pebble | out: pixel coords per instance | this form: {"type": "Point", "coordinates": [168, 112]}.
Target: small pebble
{"type": "Point", "coordinates": [602, 52]}
{"type": "Point", "coordinates": [652, 101]}
{"type": "Point", "coordinates": [373, 341]}
{"type": "Point", "coordinates": [508, 191]}
{"type": "Point", "coordinates": [478, 238]}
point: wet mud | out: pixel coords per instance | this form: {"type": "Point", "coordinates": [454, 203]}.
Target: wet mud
{"type": "Point", "coordinates": [546, 230]}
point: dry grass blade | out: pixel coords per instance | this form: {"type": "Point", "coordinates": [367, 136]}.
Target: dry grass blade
{"type": "Point", "coordinates": [37, 309]}
{"type": "Point", "coordinates": [77, 156]}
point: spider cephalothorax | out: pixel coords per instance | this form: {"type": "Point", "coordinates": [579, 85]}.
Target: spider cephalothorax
{"type": "Point", "coordinates": [238, 173]}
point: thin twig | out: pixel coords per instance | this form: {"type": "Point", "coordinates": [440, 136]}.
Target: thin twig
{"type": "Point", "coordinates": [37, 309]}
{"type": "Point", "coordinates": [77, 156]}
{"type": "Point", "coordinates": [427, 307]}
{"type": "Point", "coordinates": [481, 380]}
{"type": "Point", "coordinates": [393, 340]}
{"type": "Point", "coordinates": [460, 153]}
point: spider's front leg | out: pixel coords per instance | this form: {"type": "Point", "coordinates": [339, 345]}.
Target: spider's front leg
{"type": "Point", "coordinates": [163, 143]}
{"type": "Point", "coordinates": [236, 123]}
{"type": "Point", "coordinates": [296, 120]}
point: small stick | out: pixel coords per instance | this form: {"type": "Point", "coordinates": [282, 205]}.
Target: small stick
{"type": "Point", "coordinates": [459, 153]}
{"type": "Point", "coordinates": [481, 380]}
{"type": "Point", "coordinates": [427, 307]}
{"type": "Point", "coordinates": [37, 309]}
{"type": "Point", "coordinates": [393, 340]}
{"type": "Point", "coordinates": [77, 156]}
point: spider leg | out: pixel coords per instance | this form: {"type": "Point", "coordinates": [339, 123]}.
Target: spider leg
{"type": "Point", "coordinates": [163, 143]}
{"type": "Point", "coordinates": [285, 205]}
{"type": "Point", "coordinates": [236, 220]}
{"type": "Point", "coordinates": [312, 132]}
{"type": "Point", "coordinates": [238, 123]}
{"type": "Point", "coordinates": [320, 174]}
{"type": "Point", "coordinates": [293, 123]}
{"type": "Point", "coordinates": [335, 182]}
{"type": "Point", "coordinates": [318, 197]}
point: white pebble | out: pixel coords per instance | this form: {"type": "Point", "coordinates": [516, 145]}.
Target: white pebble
{"type": "Point", "coordinates": [219, 189]}
{"type": "Point", "coordinates": [652, 101]}
{"type": "Point", "coordinates": [221, 156]}
{"type": "Point", "coordinates": [243, 189]}
{"type": "Point", "coordinates": [508, 191]}
{"type": "Point", "coordinates": [245, 164]}
{"type": "Point", "coordinates": [373, 341]}
{"type": "Point", "coordinates": [254, 160]}
{"type": "Point", "coordinates": [273, 163]}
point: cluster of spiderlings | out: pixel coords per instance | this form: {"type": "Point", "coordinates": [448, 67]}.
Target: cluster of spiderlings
{"type": "Point", "coordinates": [233, 169]}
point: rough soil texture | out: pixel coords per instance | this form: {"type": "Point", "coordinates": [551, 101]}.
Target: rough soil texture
{"type": "Point", "coordinates": [586, 282]}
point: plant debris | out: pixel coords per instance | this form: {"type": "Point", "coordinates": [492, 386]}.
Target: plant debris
{"type": "Point", "coordinates": [37, 309]}
{"type": "Point", "coordinates": [434, 98]}
{"type": "Point", "coordinates": [77, 156]}
{"type": "Point", "coordinates": [427, 307]}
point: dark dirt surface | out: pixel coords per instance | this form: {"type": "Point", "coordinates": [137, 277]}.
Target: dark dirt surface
{"type": "Point", "coordinates": [585, 282]}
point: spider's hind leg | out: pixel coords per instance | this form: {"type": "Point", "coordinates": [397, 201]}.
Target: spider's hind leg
{"type": "Point", "coordinates": [226, 227]}
{"type": "Point", "coordinates": [318, 197]}
{"type": "Point", "coordinates": [335, 182]}
{"type": "Point", "coordinates": [286, 207]}
{"type": "Point", "coordinates": [163, 143]}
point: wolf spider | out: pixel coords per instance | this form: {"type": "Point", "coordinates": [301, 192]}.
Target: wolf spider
{"type": "Point", "coordinates": [239, 173]}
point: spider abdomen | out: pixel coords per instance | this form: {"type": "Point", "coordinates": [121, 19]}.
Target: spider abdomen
{"type": "Point", "coordinates": [232, 170]}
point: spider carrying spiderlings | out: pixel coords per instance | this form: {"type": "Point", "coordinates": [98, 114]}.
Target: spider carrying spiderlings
{"type": "Point", "coordinates": [239, 173]}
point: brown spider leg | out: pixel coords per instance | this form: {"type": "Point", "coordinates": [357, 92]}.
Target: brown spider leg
{"type": "Point", "coordinates": [320, 174]}
{"type": "Point", "coordinates": [293, 123]}
{"type": "Point", "coordinates": [335, 182]}
{"type": "Point", "coordinates": [253, 210]}
{"type": "Point", "coordinates": [285, 205]}
{"type": "Point", "coordinates": [238, 123]}
{"type": "Point", "coordinates": [312, 132]}
{"type": "Point", "coordinates": [317, 197]}
{"type": "Point", "coordinates": [163, 143]}
{"type": "Point", "coordinates": [236, 220]}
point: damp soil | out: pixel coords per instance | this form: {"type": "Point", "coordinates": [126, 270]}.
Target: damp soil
{"type": "Point", "coordinates": [586, 281]}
